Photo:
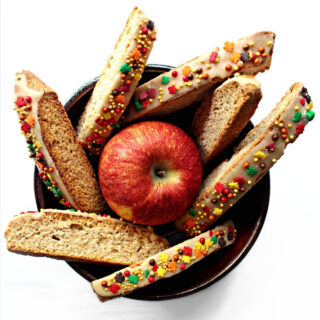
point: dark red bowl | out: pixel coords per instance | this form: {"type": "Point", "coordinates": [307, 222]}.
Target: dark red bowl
{"type": "Point", "coordinates": [248, 215]}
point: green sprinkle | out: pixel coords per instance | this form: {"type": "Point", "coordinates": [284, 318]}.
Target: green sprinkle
{"type": "Point", "coordinates": [310, 115]}
{"type": "Point", "coordinates": [133, 279]}
{"type": "Point", "coordinates": [214, 239]}
{"type": "Point", "coordinates": [57, 192]}
{"type": "Point", "coordinates": [165, 79]}
{"type": "Point", "coordinates": [115, 125]}
{"type": "Point", "coordinates": [146, 273]}
{"type": "Point", "coordinates": [251, 171]}
{"type": "Point", "coordinates": [73, 210]}
{"type": "Point", "coordinates": [125, 68]}
{"type": "Point", "coordinates": [138, 106]}
{"type": "Point", "coordinates": [48, 183]}
{"type": "Point", "coordinates": [296, 117]}
{"type": "Point", "coordinates": [31, 148]}
{"type": "Point", "coordinates": [192, 212]}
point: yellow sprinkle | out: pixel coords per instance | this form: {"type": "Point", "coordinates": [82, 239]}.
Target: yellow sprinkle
{"type": "Point", "coordinates": [260, 155]}
{"type": "Point", "coordinates": [269, 43]}
{"type": "Point", "coordinates": [249, 181]}
{"type": "Point", "coordinates": [217, 211]}
{"type": "Point", "coordinates": [251, 44]}
{"type": "Point", "coordinates": [185, 259]}
{"type": "Point", "coordinates": [296, 108]}
{"type": "Point", "coordinates": [198, 81]}
{"type": "Point", "coordinates": [208, 66]}
{"type": "Point", "coordinates": [310, 106]}
{"type": "Point", "coordinates": [236, 68]}
{"type": "Point", "coordinates": [289, 125]}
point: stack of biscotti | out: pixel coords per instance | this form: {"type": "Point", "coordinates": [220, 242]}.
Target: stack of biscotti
{"type": "Point", "coordinates": [117, 82]}
{"type": "Point", "coordinates": [192, 81]}
{"type": "Point", "coordinates": [83, 237]}
{"type": "Point", "coordinates": [61, 161]}
{"type": "Point", "coordinates": [165, 264]}
{"type": "Point", "coordinates": [253, 158]}
{"type": "Point", "coordinates": [220, 118]}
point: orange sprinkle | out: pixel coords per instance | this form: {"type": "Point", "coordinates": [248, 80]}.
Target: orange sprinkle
{"type": "Point", "coordinates": [264, 55]}
{"type": "Point", "coordinates": [235, 57]}
{"type": "Point", "coordinates": [283, 130]}
{"type": "Point", "coordinates": [30, 120]}
{"type": "Point", "coordinates": [228, 46]}
{"type": "Point", "coordinates": [245, 164]}
{"type": "Point", "coordinates": [204, 252]}
{"type": "Point", "coordinates": [186, 70]}
{"type": "Point", "coordinates": [228, 67]}
{"type": "Point", "coordinates": [190, 223]}
{"type": "Point", "coordinates": [40, 165]}
{"type": "Point", "coordinates": [153, 37]}
{"type": "Point", "coordinates": [198, 253]}
{"type": "Point", "coordinates": [205, 76]}
{"type": "Point", "coordinates": [122, 76]}
{"type": "Point", "coordinates": [256, 61]}
{"type": "Point", "coordinates": [211, 217]}
{"type": "Point", "coordinates": [172, 266]}
{"type": "Point", "coordinates": [261, 49]}
{"type": "Point", "coordinates": [120, 98]}
{"type": "Point", "coordinates": [136, 54]}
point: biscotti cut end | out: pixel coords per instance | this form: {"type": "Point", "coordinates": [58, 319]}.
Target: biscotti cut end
{"type": "Point", "coordinates": [117, 82]}
{"type": "Point", "coordinates": [61, 161]}
{"type": "Point", "coordinates": [190, 82]}
{"type": "Point", "coordinates": [256, 154]}
{"type": "Point", "coordinates": [84, 237]}
{"type": "Point", "coordinates": [221, 117]}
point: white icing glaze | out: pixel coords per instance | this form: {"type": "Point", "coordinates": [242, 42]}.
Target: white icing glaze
{"type": "Point", "coordinates": [161, 260]}
{"type": "Point", "coordinates": [21, 90]}
{"type": "Point", "coordinates": [255, 153]}
{"type": "Point", "coordinates": [216, 71]}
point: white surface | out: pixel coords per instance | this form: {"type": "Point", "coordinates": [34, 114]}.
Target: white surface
{"type": "Point", "coordinates": [66, 43]}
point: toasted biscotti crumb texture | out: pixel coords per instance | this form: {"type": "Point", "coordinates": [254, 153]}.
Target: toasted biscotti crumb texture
{"type": "Point", "coordinates": [67, 154]}
{"type": "Point", "coordinates": [220, 119]}
{"type": "Point", "coordinates": [81, 237]}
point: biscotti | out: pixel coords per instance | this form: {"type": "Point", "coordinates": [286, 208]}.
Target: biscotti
{"type": "Point", "coordinates": [76, 236]}
{"type": "Point", "coordinates": [253, 158]}
{"type": "Point", "coordinates": [61, 161]}
{"type": "Point", "coordinates": [220, 118]}
{"type": "Point", "coordinates": [117, 82]}
{"type": "Point", "coordinates": [192, 81]}
{"type": "Point", "coordinates": [165, 264]}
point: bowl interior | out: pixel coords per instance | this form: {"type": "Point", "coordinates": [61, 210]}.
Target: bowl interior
{"type": "Point", "coordinates": [248, 213]}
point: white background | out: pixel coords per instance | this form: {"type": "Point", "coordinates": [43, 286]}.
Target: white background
{"type": "Point", "coordinates": [66, 43]}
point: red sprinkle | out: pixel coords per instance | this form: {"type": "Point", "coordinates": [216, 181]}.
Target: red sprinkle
{"type": "Point", "coordinates": [144, 30]}
{"type": "Point", "coordinates": [223, 199]}
{"type": "Point", "coordinates": [182, 266]}
{"type": "Point", "coordinates": [28, 99]}
{"type": "Point", "coordinates": [150, 279]}
{"type": "Point", "coordinates": [67, 204]}
{"type": "Point", "coordinates": [210, 233]}
{"type": "Point", "coordinates": [152, 93]}
{"type": "Point", "coordinates": [95, 135]}
{"type": "Point", "coordinates": [144, 104]}
{"type": "Point", "coordinates": [89, 139]}
{"type": "Point", "coordinates": [104, 283]}
{"type": "Point", "coordinates": [213, 57]}
{"type": "Point", "coordinates": [302, 101]}
{"type": "Point", "coordinates": [202, 240]}
{"type": "Point", "coordinates": [206, 209]}
{"type": "Point", "coordinates": [126, 273]}
{"type": "Point", "coordinates": [185, 78]}
{"type": "Point", "coordinates": [118, 110]}
{"type": "Point", "coordinates": [155, 268]}
{"type": "Point", "coordinates": [187, 251]}
{"type": "Point", "coordinates": [114, 288]}
{"type": "Point", "coordinates": [101, 140]}
{"type": "Point", "coordinates": [40, 155]}
{"type": "Point", "coordinates": [239, 180]}
{"type": "Point", "coordinates": [172, 90]}
{"type": "Point", "coordinates": [20, 102]}
{"type": "Point", "coordinates": [174, 73]}
{"type": "Point", "coordinates": [25, 127]}
{"type": "Point", "coordinates": [144, 50]}
{"type": "Point", "coordinates": [226, 191]}
{"type": "Point", "coordinates": [300, 128]}
{"type": "Point", "coordinates": [143, 95]}
{"type": "Point", "coordinates": [253, 56]}
{"type": "Point", "coordinates": [219, 187]}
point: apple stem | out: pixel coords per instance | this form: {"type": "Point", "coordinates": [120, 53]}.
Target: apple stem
{"type": "Point", "coordinates": [160, 173]}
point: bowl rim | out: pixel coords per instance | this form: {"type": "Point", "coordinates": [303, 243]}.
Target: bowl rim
{"type": "Point", "coordinates": [235, 262]}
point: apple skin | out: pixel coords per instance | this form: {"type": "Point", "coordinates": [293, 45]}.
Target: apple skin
{"type": "Point", "coordinates": [150, 172]}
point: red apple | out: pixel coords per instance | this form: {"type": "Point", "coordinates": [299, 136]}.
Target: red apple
{"type": "Point", "coordinates": [150, 172]}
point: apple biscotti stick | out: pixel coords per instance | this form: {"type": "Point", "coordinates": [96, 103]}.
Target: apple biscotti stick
{"type": "Point", "coordinates": [165, 264]}
{"type": "Point", "coordinates": [117, 82]}
{"type": "Point", "coordinates": [84, 237]}
{"type": "Point", "coordinates": [253, 158]}
{"type": "Point", "coordinates": [191, 81]}
{"type": "Point", "coordinates": [61, 161]}
{"type": "Point", "coordinates": [221, 117]}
